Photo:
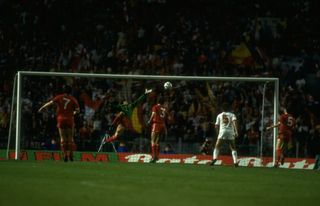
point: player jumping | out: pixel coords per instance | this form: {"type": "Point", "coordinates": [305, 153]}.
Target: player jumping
{"type": "Point", "coordinates": [122, 121]}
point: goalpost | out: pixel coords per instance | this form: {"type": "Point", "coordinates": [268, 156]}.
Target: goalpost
{"type": "Point", "coordinates": [18, 88]}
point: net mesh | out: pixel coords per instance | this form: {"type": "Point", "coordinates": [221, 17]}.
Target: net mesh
{"type": "Point", "coordinates": [192, 108]}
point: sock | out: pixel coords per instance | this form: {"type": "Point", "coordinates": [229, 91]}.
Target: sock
{"type": "Point", "coordinates": [111, 139]}
{"type": "Point", "coordinates": [279, 153]}
{"type": "Point", "coordinates": [153, 150]}
{"type": "Point", "coordinates": [215, 153]}
{"type": "Point", "coordinates": [157, 150]}
{"type": "Point", "coordinates": [234, 156]}
{"type": "Point", "coordinates": [64, 148]}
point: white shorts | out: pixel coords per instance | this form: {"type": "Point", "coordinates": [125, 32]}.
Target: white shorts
{"type": "Point", "coordinates": [226, 135]}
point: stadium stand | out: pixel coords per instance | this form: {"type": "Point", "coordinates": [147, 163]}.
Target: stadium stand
{"type": "Point", "coordinates": [200, 38]}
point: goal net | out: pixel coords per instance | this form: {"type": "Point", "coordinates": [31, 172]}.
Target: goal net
{"type": "Point", "coordinates": [193, 104]}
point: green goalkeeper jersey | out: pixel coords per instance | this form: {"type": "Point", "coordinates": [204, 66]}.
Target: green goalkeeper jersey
{"type": "Point", "coordinates": [127, 109]}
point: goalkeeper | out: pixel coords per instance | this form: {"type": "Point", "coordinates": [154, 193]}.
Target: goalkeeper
{"type": "Point", "coordinates": [122, 121]}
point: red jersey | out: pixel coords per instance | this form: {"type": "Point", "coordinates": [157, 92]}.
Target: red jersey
{"type": "Point", "coordinates": [159, 116]}
{"type": "Point", "coordinates": [287, 123]}
{"type": "Point", "coordinates": [286, 127]}
{"type": "Point", "coordinates": [66, 105]}
{"type": "Point", "coordinates": [158, 119]}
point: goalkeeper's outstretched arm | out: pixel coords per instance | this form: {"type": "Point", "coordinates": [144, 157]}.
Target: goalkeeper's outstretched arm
{"type": "Point", "coordinates": [141, 98]}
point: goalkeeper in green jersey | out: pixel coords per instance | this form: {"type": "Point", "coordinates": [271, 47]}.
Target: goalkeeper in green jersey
{"type": "Point", "coordinates": [122, 121]}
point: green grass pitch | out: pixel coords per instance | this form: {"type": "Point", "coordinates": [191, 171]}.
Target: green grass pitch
{"type": "Point", "coordinates": [84, 183]}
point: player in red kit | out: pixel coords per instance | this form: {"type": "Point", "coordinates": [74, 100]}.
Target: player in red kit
{"type": "Point", "coordinates": [286, 125]}
{"type": "Point", "coordinates": [158, 128]}
{"type": "Point", "coordinates": [66, 107]}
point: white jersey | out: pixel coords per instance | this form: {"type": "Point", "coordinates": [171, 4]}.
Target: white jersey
{"type": "Point", "coordinates": [226, 127]}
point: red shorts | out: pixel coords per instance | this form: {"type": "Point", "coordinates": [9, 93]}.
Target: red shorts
{"type": "Point", "coordinates": [158, 128]}
{"type": "Point", "coordinates": [286, 136]}
{"type": "Point", "coordinates": [65, 123]}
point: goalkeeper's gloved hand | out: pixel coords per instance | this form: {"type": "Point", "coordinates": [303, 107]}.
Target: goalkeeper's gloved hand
{"type": "Point", "coordinates": [147, 91]}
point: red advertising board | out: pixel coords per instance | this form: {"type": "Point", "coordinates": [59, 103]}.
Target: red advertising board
{"type": "Point", "coordinates": [291, 163]}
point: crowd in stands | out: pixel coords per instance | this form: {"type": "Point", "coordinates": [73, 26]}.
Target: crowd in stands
{"type": "Point", "coordinates": [162, 37]}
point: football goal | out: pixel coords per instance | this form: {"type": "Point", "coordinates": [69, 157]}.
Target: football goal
{"type": "Point", "coordinates": [193, 103]}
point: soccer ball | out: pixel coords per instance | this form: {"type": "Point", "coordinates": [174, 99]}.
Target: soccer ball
{"type": "Point", "coordinates": [167, 85]}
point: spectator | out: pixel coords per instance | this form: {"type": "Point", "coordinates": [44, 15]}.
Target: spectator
{"type": "Point", "coordinates": [122, 147]}
{"type": "Point", "coordinates": [168, 149]}
{"type": "Point", "coordinates": [253, 139]}
{"type": "Point", "coordinates": [182, 39]}
{"type": "Point", "coordinates": [206, 147]}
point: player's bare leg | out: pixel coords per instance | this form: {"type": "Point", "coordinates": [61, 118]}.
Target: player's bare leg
{"type": "Point", "coordinates": [279, 149]}
{"type": "Point", "coordinates": [284, 149]}
{"type": "Point", "coordinates": [216, 151]}
{"type": "Point", "coordinates": [155, 149]}
{"type": "Point", "coordinates": [119, 131]}
{"type": "Point", "coordinates": [71, 144]}
{"type": "Point", "coordinates": [234, 154]}
{"type": "Point", "coordinates": [110, 139]}
{"type": "Point", "coordinates": [64, 144]}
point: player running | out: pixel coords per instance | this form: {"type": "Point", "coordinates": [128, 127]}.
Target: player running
{"type": "Point", "coordinates": [67, 106]}
{"type": "Point", "coordinates": [227, 130]}
{"type": "Point", "coordinates": [286, 125]}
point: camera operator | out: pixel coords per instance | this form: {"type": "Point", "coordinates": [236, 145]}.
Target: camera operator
{"type": "Point", "coordinates": [206, 147]}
